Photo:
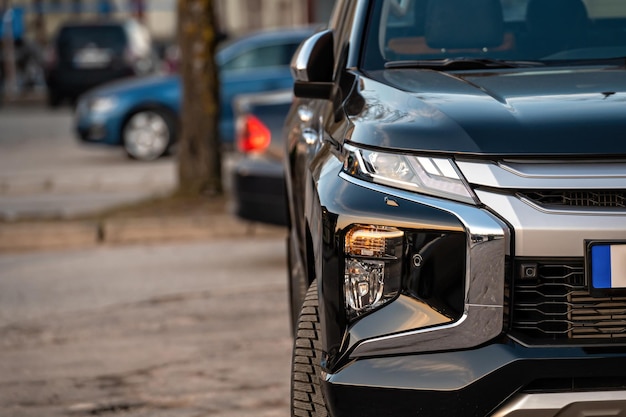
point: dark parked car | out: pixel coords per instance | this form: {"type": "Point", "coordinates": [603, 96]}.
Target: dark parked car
{"type": "Point", "coordinates": [457, 233]}
{"type": "Point", "coordinates": [142, 114]}
{"type": "Point", "coordinates": [86, 54]}
{"type": "Point", "coordinates": [258, 192]}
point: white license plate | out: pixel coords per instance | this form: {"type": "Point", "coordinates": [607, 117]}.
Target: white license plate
{"type": "Point", "coordinates": [92, 58]}
{"type": "Point", "coordinates": [606, 266]}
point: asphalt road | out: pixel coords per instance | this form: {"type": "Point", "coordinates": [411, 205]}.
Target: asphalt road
{"type": "Point", "coordinates": [165, 330]}
{"type": "Point", "coordinates": [179, 329]}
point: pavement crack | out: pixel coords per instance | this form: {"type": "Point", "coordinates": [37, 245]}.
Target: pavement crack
{"type": "Point", "coordinates": [99, 409]}
{"type": "Point", "coordinates": [100, 234]}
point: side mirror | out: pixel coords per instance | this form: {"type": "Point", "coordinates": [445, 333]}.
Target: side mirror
{"type": "Point", "coordinates": [312, 66]}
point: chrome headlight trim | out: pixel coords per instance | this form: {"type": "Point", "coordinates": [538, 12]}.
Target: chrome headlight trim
{"type": "Point", "coordinates": [549, 230]}
{"type": "Point", "coordinates": [538, 175]}
{"type": "Point", "coordinates": [482, 320]}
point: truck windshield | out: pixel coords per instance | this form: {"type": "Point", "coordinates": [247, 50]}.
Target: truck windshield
{"type": "Point", "coordinates": [470, 32]}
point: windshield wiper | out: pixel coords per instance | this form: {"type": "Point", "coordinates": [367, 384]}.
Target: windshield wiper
{"type": "Point", "coordinates": [462, 64]}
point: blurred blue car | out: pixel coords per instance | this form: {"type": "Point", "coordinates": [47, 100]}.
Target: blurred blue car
{"type": "Point", "coordinates": [142, 114]}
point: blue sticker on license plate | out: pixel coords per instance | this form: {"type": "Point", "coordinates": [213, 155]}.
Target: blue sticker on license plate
{"type": "Point", "coordinates": [606, 265]}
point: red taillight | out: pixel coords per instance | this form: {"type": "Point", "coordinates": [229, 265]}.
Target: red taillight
{"type": "Point", "coordinates": [253, 136]}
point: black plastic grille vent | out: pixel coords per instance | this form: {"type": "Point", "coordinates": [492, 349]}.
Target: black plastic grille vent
{"type": "Point", "coordinates": [551, 304]}
{"type": "Point", "coordinates": [578, 198]}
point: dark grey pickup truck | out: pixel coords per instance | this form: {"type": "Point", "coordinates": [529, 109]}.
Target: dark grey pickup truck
{"type": "Point", "coordinates": [456, 181]}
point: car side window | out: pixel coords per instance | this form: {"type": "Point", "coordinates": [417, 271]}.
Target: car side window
{"type": "Point", "coordinates": [263, 57]}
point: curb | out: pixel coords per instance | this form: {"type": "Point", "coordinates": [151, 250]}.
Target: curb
{"type": "Point", "coordinates": [74, 234]}
{"type": "Point", "coordinates": [47, 235]}
{"type": "Point", "coordinates": [38, 96]}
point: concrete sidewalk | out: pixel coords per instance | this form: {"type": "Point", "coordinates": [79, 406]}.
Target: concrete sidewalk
{"type": "Point", "coordinates": [67, 192]}
{"type": "Point", "coordinates": [49, 181]}
{"type": "Point", "coordinates": [40, 209]}
{"type": "Point", "coordinates": [67, 234]}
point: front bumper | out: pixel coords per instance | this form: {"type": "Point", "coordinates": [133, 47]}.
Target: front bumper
{"type": "Point", "coordinates": [95, 133]}
{"type": "Point", "coordinates": [104, 128]}
{"type": "Point", "coordinates": [499, 380]}
{"type": "Point", "coordinates": [390, 364]}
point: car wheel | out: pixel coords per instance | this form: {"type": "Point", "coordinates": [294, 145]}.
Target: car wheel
{"type": "Point", "coordinates": [148, 134]}
{"type": "Point", "coordinates": [306, 393]}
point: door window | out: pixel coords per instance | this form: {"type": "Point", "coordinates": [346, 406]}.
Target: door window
{"type": "Point", "coordinates": [263, 57]}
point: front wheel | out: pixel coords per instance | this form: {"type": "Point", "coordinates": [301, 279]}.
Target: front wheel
{"type": "Point", "coordinates": [298, 284]}
{"type": "Point", "coordinates": [148, 134]}
{"type": "Point", "coordinates": [306, 393]}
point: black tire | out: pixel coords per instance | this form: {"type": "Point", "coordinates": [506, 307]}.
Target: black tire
{"type": "Point", "coordinates": [298, 285]}
{"type": "Point", "coordinates": [306, 394]}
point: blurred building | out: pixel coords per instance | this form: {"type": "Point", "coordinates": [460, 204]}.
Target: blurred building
{"type": "Point", "coordinates": [245, 15]}
{"type": "Point", "coordinates": [27, 26]}
{"type": "Point", "coordinates": [42, 17]}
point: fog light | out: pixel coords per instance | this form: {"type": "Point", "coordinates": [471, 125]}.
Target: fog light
{"type": "Point", "coordinates": [365, 283]}
{"type": "Point", "coordinates": [373, 267]}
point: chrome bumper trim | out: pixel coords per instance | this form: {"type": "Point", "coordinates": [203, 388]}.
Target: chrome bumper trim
{"type": "Point", "coordinates": [545, 175]}
{"type": "Point", "coordinates": [487, 247]}
{"type": "Point", "coordinates": [543, 234]}
{"type": "Point", "coordinates": [549, 232]}
{"type": "Point", "coordinates": [569, 404]}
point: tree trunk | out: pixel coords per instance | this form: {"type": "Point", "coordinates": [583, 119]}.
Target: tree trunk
{"type": "Point", "coordinates": [39, 23]}
{"type": "Point", "coordinates": [199, 159]}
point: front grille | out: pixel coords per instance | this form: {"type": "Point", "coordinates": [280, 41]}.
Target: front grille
{"type": "Point", "coordinates": [551, 304]}
{"type": "Point", "coordinates": [578, 198]}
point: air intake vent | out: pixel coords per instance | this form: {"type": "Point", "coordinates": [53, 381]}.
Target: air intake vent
{"type": "Point", "coordinates": [603, 318]}
{"type": "Point", "coordinates": [578, 198]}
{"type": "Point", "coordinates": [551, 304]}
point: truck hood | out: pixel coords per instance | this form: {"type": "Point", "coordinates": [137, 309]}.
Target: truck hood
{"type": "Point", "coordinates": [530, 112]}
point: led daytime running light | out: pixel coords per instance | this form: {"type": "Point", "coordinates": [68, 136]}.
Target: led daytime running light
{"type": "Point", "coordinates": [438, 177]}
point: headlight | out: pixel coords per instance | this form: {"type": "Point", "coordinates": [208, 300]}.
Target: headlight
{"type": "Point", "coordinates": [428, 175]}
{"type": "Point", "coordinates": [102, 104]}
